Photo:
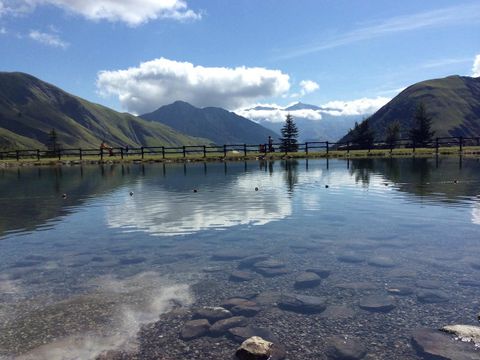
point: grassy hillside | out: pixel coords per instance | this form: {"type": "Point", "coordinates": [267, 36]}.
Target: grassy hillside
{"type": "Point", "coordinates": [31, 108]}
{"type": "Point", "coordinates": [452, 102]}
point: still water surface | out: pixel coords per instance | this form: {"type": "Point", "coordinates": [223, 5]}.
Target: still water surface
{"type": "Point", "coordinates": [82, 274]}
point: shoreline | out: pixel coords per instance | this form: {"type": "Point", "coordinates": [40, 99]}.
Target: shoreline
{"type": "Point", "coordinates": [470, 152]}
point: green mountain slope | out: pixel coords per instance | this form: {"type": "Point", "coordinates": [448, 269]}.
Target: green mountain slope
{"type": "Point", "coordinates": [219, 125]}
{"type": "Point", "coordinates": [452, 102]}
{"type": "Point", "coordinates": [31, 108]}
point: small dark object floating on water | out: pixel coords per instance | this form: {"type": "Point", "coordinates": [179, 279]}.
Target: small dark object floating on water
{"type": "Point", "coordinates": [131, 193]}
{"type": "Point", "coordinates": [194, 190]}
{"type": "Point", "coordinates": [64, 196]}
{"type": "Point", "coordinates": [256, 188]}
{"type": "Point", "coordinates": [326, 186]}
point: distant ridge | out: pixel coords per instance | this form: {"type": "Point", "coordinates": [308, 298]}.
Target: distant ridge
{"type": "Point", "coordinates": [30, 108]}
{"type": "Point", "coordinates": [452, 102]}
{"type": "Point", "coordinates": [217, 124]}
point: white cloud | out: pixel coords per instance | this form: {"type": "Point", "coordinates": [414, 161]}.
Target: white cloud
{"type": "Point", "coordinates": [3, 31]}
{"type": "Point", "coordinates": [161, 81]}
{"type": "Point", "coordinates": [363, 106]}
{"type": "Point", "coordinates": [308, 86]}
{"type": "Point", "coordinates": [48, 39]}
{"type": "Point", "coordinates": [458, 14]}
{"type": "Point", "coordinates": [132, 12]}
{"type": "Point", "coordinates": [476, 66]}
{"type": "Point", "coordinates": [276, 113]}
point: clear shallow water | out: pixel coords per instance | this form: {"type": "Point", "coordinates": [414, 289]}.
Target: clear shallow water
{"type": "Point", "coordinates": [82, 274]}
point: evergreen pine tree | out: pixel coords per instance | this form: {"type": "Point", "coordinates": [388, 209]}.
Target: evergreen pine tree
{"type": "Point", "coordinates": [289, 135]}
{"type": "Point", "coordinates": [421, 132]}
{"type": "Point", "coordinates": [392, 134]}
{"type": "Point", "coordinates": [362, 135]}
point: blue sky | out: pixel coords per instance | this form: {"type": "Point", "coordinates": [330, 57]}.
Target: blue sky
{"type": "Point", "coordinates": [136, 55]}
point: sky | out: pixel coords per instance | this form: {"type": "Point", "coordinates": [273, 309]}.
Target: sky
{"type": "Point", "coordinates": [137, 55]}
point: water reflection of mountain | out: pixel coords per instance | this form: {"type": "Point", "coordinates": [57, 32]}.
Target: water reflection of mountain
{"type": "Point", "coordinates": [31, 197]}
{"type": "Point", "coordinates": [445, 179]}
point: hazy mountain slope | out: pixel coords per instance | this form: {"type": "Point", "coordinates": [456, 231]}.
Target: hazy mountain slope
{"type": "Point", "coordinates": [31, 108]}
{"type": "Point", "coordinates": [219, 125]}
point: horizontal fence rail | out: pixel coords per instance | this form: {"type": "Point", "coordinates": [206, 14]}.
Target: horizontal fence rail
{"type": "Point", "coordinates": [311, 147]}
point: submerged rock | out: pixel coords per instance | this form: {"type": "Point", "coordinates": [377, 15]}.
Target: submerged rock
{"type": "Point", "coordinates": [222, 326]}
{"type": "Point", "coordinates": [256, 348]}
{"type": "Point", "coordinates": [232, 302]}
{"type": "Point", "coordinates": [432, 296]}
{"type": "Point", "coordinates": [338, 312]}
{"type": "Point", "coordinates": [226, 255]}
{"type": "Point", "coordinates": [307, 280]}
{"type": "Point", "coordinates": [467, 333]}
{"type": "Point", "coordinates": [304, 304]}
{"type": "Point", "coordinates": [271, 272]}
{"type": "Point", "coordinates": [439, 345]}
{"type": "Point", "coordinates": [345, 348]}
{"type": "Point", "coordinates": [378, 303]}
{"type": "Point", "coordinates": [323, 273]}
{"type": "Point", "coordinates": [252, 260]}
{"type": "Point", "coordinates": [381, 261]}
{"type": "Point", "coordinates": [194, 329]}
{"type": "Point", "coordinates": [239, 276]}
{"type": "Point", "coordinates": [212, 314]}
{"type": "Point", "coordinates": [401, 290]}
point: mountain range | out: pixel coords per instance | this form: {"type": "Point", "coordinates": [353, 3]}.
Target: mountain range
{"type": "Point", "coordinates": [452, 102]}
{"type": "Point", "coordinates": [30, 108]}
{"type": "Point", "coordinates": [217, 124]}
{"type": "Point", "coordinates": [328, 128]}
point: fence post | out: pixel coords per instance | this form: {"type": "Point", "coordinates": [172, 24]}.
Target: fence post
{"type": "Point", "coordinates": [326, 142]}
{"type": "Point", "coordinates": [17, 153]}
{"type": "Point", "coordinates": [306, 148]}
{"type": "Point", "coordinates": [244, 149]}
{"type": "Point", "coordinates": [460, 140]}
{"type": "Point", "coordinates": [184, 151]}
{"type": "Point", "coordinates": [436, 146]}
{"type": "Point", "coordinates": [38, 154]}
{"type": "Point", "coordinates": [101, 154]}
{"type": "Point", "coordinates": [80, 153]}
{"type": "Point", "coordinates": [163, 152]}
{"type": "Point", "coordinates": [59, 154]}
{"type": "Point", "coordinates": [143, 152]}
{"type": "Point", "coordinates": [204, 151]}
{"type": "Point", "coordinates": [225, 150]}
{"type": "Point", "coordinates": [348, 147]}
{"type": "Point", "coordinates": [413, 144]}
{"type": "Point", "coordinates": [121, 153]}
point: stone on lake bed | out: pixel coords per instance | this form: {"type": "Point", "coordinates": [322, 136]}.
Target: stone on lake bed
{"type": "Point", "coordinates": [466, 333]}
{"type": "Point", "coordinates": [194, 329]}
{"type": "Point", "coordinates": [270, 264]}
{"type": "Point", "coordinates": [252, 260]}
{"type": "Point", "coordinates": [212, 314]}
{"type": "Point", "coordinates": [256, 348]}
{"type": "Point", "coordinates": [381, 261]}
{"type": "Point", "coordinates": [432, 296]}
{"type": "Point", "coordinates": [240, 276]}
{"type": "Point", "coordinates": [345, 348]}
{"type": "Point", "coordinates": [401, 290]}
{"type": "Point", "coordinates": [377, 303]}
{"type": "Point", "coordinates": [221, 326]}
{"type": "Point", "coordinates": [338, 312]}
{"type": "Point", "coordinates": [323, 273]}
{"type": "Point", "coordinates": [232, 302]}
{"type": "Point", "coordinates": [307, 280]}
{"type": "Point", "coordinates": [304, 304]}
{"type": "Point", "coordinates": [440, 345]}
{"type": "Point", "coordinates": [247, 311]}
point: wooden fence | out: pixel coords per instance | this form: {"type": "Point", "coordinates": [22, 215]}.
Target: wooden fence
{"type": "Point", "coordinates": [240, 149]}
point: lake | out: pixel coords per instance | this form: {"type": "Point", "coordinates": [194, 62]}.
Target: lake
{"type": "Point", "coordinates": [100, 257]}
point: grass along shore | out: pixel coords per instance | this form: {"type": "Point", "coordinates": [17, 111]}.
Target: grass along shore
{"type": "Point", "coordinates": [471, 151]}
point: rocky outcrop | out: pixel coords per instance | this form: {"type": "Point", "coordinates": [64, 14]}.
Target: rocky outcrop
{"type": "Point", "coordinates": [256, 348]}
